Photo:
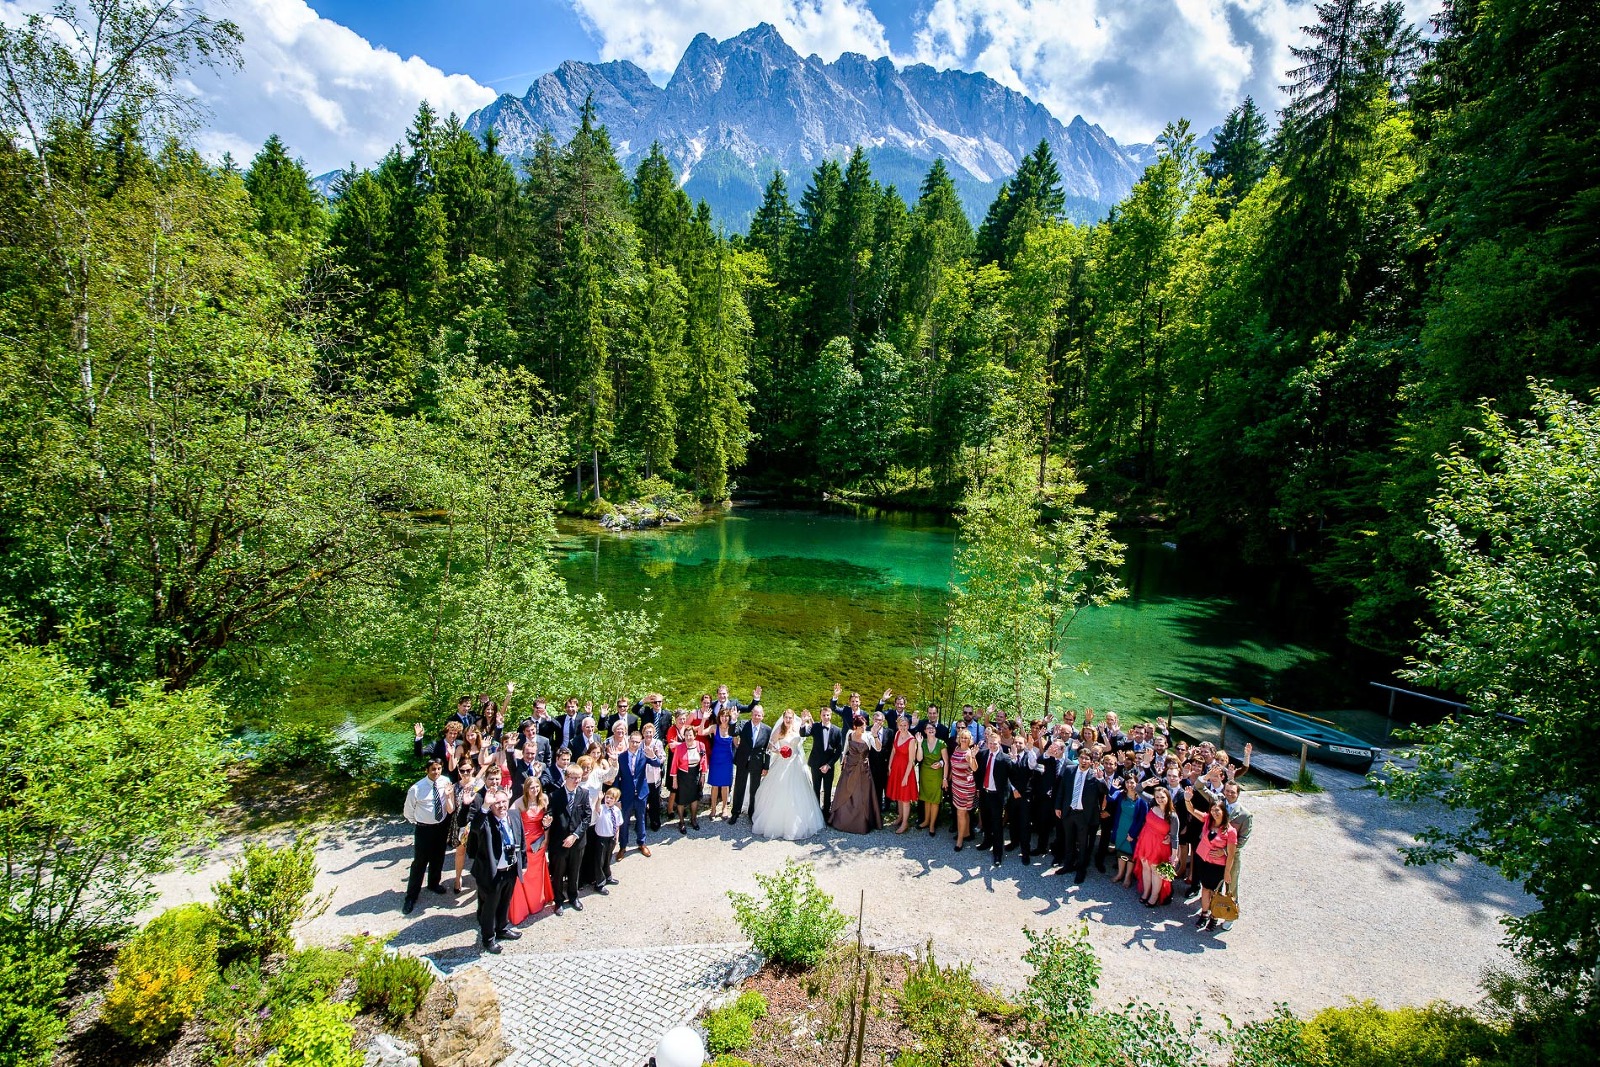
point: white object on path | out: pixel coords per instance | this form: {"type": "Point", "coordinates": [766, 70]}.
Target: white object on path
{"type": "Point", "coordinates": [680, 1047]}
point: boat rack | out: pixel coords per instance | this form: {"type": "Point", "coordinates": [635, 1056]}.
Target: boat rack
{"type": "Point", "coordinates": [1225, 714]}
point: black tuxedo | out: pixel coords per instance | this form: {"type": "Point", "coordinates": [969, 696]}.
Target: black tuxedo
{"type": "Point", "coordinates": [992, 802]}
{"type": "Point", "coordinates": [609, 723]}
{"type": "Point", "coordinates": [568, 818]}
{"type": "Point", "coordinates": [1025, 780]}
{"type": "Point", "coordinates": [1043, 817]}
{"type": "Point", "coordinates": [749, 763]}
{"type": "Point", "coordinates": [490, 842]}
{"type": "Point", "coordinates": [1078, 827]}
{"type": "Point", "coordinates": [941, 730]}
{"type": "Point", "coordinates": [827, 749]}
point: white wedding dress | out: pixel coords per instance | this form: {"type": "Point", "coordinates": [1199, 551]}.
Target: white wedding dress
{"type": "Point", "coordinates": [786, 805]}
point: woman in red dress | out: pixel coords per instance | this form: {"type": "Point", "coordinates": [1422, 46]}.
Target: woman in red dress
{"type": "Point", "coordinates": [533, 892]}
{"type": "Point", "coordinates": [1158, 839]}
{"type": "Point", "coordinates": [903, 787]}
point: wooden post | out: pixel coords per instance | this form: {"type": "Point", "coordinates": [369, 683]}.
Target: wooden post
{"type": "Point", "coordinates": [866, 1000]}
{"type": "Point", "coordinates": [1222, 730]}
{"type": "Point", "coordinates": [850, 1025]}
{"type": "Point", "coordinates": [1302, 760]}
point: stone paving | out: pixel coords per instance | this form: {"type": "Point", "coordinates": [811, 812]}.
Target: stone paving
{"type": "Point", "coordinates": [607, 1007]}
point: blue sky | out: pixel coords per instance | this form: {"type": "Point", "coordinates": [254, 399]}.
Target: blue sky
{"type": "Point", "coordinates": [339, 80]}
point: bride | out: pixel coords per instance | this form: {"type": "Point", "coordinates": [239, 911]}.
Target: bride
{"type": "Point", "coordinates": [786, 806]}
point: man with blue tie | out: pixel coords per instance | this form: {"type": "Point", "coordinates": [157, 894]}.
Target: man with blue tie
{"type": "Point", "coordinates": [631, 780]}
{"type": "Point", "coordinates": [1080, 797]}
{"type": "Point", "coordinates": [498, 857]}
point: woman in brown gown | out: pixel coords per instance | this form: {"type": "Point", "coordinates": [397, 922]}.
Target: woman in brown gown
{"type": "Point", "coordinates": [855, 811]}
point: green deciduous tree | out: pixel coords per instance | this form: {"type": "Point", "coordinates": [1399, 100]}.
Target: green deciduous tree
{"type": "Point", "coordinates": [1517, 601]}
{"type": "Point", "coordinates": [96, 811]}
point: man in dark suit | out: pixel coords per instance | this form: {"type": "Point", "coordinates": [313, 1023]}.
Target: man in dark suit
{"type": "Point", "coordinates": [1042, 815]}
{"type": "Point", "coordinates": [1080, 797]}
{"type": "Point", "coordinates": [530, 760]}
{"type": "Point", "coordinates": [570, 818]}
{"type": "Point", "coordinates": [498, 857]}
{"type": "Point", "coordinates": [621, 714]}
{"type": "Point", "coordinates": [651, 709]}
{"type": "Point", "coordinates": [735, 708]}
{"type": "Point", "coordinates": [633, 784]}
{"type": "Point", "coordinates": [940, 730]}
{"type": "Point", "coordinates": [1019, 806]}
{"type": "Point", "coordinates": [827, 747]}
{"type": "Point", "coordinates": [994, 786]}
{"type": "Point", "coordinates": [749, 759]}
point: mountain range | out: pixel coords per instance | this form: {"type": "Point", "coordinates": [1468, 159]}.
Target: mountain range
{"type": "Point", "coordinates": [736, 110]}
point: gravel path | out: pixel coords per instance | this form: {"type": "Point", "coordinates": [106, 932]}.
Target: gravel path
{"type": "Point", "coordinates": [1330, 910]}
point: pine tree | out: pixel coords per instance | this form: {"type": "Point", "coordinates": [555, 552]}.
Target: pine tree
{"type": "Point", "coordinates": [660, 209]}
{"type": "Point", "coordinates": [1030, 199]}
{"type": "Point", "coordinates": [1239, 156]}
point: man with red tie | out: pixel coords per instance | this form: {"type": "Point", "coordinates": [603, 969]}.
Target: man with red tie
{"type": "Point", "coordinates": [994, 786]}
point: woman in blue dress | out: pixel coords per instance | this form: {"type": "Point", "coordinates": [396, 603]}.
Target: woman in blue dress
{"type": "Point", "coordinates": [719, 771]}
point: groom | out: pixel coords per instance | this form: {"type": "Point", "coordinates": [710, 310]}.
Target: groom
{"type": "Point", "coordinates": [827, 747]}
{"type": "Point", "coordinates": [749, 760]}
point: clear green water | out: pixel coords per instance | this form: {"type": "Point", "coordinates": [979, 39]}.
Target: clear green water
{"type": "Point", "coordinates": [796, 600]}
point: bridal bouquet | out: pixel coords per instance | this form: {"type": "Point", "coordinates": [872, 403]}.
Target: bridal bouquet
{"type": "Point", "coordinates": [785, 751]}
{"type": "Point", "coordinates": [1167, 872]}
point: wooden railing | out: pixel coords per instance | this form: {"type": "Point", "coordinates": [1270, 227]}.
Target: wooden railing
{"type": "Point", "coordinates": [1256, 723]}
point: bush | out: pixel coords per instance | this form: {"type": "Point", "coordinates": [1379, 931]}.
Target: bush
{"type": "Point", "coordinates": [941, 1007]}
{"type": "Point", "coordinates": [728, 1030]}
{"type": "Point", "coordinates": [1365, 1035]}
{"type": "Point", "coordinates": [312, 974]}
{"type": "Point", "coordinates": [302, 747]}
{"type": "Point", "coordinates": [163, 975]}
{"type": "Point", "coordinates": [731, 1027]}
{"type": "Point", "coordinates": [33, 973]}
{"type": "Point", "coordinates": [794, 923]}
{"type": "Point", "coordinates": [266, 895]}
{"type": "Point", "coordinates": [752, 1003]}
{"type": "Point", "coordinates": [316, 1035]}
{"type": "Point", "coordinates": [392, 984]}
{"type": "Point", "coordinates": [731, 1061]}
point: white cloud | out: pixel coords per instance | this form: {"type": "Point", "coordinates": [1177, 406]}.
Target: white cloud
{"type": "Point", "coordinates": [655, 33]}
{"type": "Point", "coordinates": [328, 92]}
{"type": "Point", "coordinates": [1129, 65]}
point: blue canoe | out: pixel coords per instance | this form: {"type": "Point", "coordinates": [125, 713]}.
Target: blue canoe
{"type": "Point", "coordinates": [1335, 747]}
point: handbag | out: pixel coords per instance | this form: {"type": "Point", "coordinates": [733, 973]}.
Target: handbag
{"type": "Point", "coordinates": [1224, 907]}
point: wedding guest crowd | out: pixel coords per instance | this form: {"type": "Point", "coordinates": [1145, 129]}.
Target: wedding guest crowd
{"type": "Point", "coordinates": [537, 812]}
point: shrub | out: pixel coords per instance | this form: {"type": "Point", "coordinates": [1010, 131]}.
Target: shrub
{"type": "Point", "coordinates": [298, 747]}
{"type": "Point", "coordinates": [794, 922]}
{"type": "Point", "coordinates": [33, 973]}
{"type": "Point", "coordinates": [316, 1035]}
{"type": "Point", "coordinates": [752, 1003]}
{"type": "Point", "coordinates": [728, 1030]}
{"type": "Point", "coordinates": [393, 984]}
{"type": "Point", "coordinates": [266, 895]}
{"type": "Point", "coordinates": [1275, 1041]}
{"type": "Point", "coordinates": [163, 975]}
{"type": "Point", "coordinates": [312, 974]}
{"type": "Point", "coordinates": [731, 1061]}
{"type": "Point", "coordinates": [941, 1006]}
{"type": "Point", "coordinates": [1365, 1035]}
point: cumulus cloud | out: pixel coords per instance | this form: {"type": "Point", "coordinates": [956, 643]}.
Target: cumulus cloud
{"type": "Point", "coordinates": [329, 93]}
{"type": "Point", "coordinates": [1130, 65]}
{"type": "Point", "coordinates": [655, 33]}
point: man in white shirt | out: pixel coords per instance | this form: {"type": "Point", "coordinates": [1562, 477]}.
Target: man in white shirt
{"type": "Point", "coordinates": [429, 807]}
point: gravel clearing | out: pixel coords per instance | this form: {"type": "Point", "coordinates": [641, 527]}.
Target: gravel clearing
{"type": "Point", "coordinates": [1330, 911]}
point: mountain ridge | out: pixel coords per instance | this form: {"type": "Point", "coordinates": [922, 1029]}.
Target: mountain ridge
{"type": "Point", "coordinates": [734, 111]}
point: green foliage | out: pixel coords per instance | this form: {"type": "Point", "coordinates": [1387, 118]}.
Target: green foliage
{"type": "Point", "coordinates": [253, 1006]}
{"type": "Point", "coordinates": [728, 1030]}
{"type": "Point", "coordinates": [163, 975]}
{"type": "Point", "coordinates": [792, 922]}
{"type": "Point", "coordinates": [34, 969]}
{"type": "Point", "coordinates": [730, 1061]}
{"type": "Point", "coordinates": [942, 1006]}
{"type": "Point", "coordinates": [267, 893]}
{"type": "Point", "coordinates": [1365, 1035]}
{"type": "Point", "coordinates": [1062, 1024]}
{"type": "Point", "coordinates": [1275, 1041]}
{"type": "Point", "coordinates": [1517, 600]}
{"type": "Point", "coordinates": [391, 983]}
{"type": "Point", "coordinates": [752, 1003]}
{"type": "Point", "coordinates": [317, 1034]}
{"type": "Point", "coordinates": [86, 836]}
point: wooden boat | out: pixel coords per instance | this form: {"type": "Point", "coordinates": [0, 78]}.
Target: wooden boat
{"type": "Point", "coordinates": [1335, 747]}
